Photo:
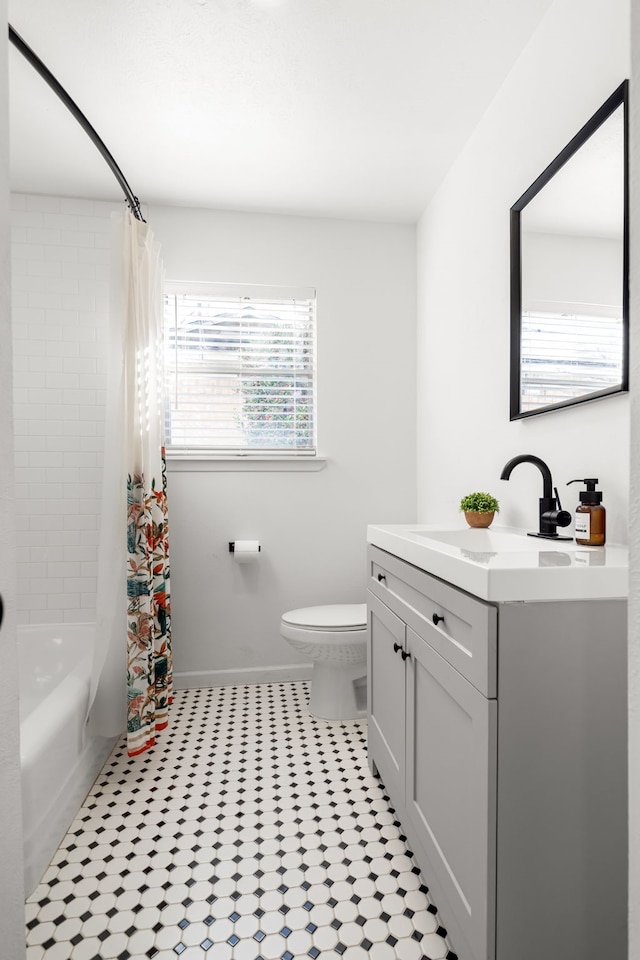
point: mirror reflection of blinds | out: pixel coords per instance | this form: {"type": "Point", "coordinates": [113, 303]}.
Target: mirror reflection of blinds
{"type": "Point", "coordinates": [567, 355]}
{"type": "Point", "coordinates": [239, 374]}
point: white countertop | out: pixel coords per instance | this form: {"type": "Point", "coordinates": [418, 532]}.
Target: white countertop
{"type": "Point", "coordinates": [504, 564]}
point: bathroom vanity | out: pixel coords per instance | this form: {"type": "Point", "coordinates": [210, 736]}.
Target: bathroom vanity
{"type": "Point", "coordinates": [497, 714]}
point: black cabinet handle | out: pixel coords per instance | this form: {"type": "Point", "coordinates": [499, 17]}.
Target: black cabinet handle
{"type": "Point", "coordinates": [405, 654]}
{"type": "Point", "coordinates": [381, 578]}
{"type": "Point", "coordinates": [436, 619]}
{"type": "Point", "coordinates": [396, 647]}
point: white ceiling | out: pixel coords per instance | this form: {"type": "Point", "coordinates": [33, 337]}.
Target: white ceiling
{"type": "Point", "coordinates": [341, 108]}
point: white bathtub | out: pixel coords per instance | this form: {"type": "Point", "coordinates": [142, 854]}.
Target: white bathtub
{"type": "Point", "coordinates": [59, 759]}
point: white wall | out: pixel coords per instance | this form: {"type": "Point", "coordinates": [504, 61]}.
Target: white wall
{"type": "Point", "coordinates": [634, 512]}
{"type": "Point", "coordinates": [576, 58]}
{"type": "Point", "coordinates": [60, 308]}
{"type": "Point", "coordinates": [312, 525]}
{"type": "Point", "coordinates": [11, 863]}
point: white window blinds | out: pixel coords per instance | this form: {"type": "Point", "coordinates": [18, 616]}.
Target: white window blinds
{"type": "Point", "coordinates": [239, 370]}
{"type": "Point", "coordinates": [567, 355]}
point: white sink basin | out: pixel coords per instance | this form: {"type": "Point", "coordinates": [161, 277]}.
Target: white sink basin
{"type": "Point", "coordinates": [505, 564]}
{"type": "Point", "coordinates": [494, 541]}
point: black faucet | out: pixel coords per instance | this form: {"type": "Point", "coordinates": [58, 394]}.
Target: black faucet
{"type": "Point", "coordinates": [551, 513]}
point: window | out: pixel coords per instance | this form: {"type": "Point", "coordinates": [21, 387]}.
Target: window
{"type": "Point", "coordinates": [239, 370]}
{"type": "Point", "coordinates": [569, 355]}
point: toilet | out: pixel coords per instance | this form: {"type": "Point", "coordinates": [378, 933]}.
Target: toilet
{"type": "Point", "coordinates": [334, 637]}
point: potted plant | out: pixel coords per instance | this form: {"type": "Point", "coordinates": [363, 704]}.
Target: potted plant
{"type": "Point", "coordinates": [479, 509]}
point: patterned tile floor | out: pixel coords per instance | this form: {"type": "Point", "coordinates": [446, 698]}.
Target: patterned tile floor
{"type": "Point", "coordinates": [252, 831]}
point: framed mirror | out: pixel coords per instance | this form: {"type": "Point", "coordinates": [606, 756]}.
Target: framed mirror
{"type": "Point", "coordinates": [570, 272]}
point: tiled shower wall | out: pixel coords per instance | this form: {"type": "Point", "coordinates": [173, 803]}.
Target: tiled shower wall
{"type": "Point", "coordinates": [60, 308]}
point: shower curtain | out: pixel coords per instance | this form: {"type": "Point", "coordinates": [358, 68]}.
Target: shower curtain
{"type": "Point", "coordinates": [133, 564]}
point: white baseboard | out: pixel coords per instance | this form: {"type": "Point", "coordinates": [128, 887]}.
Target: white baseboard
{"type": "Point", "coordinates": [224, 678]}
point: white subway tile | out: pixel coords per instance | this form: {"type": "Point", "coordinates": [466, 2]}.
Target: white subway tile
{"type": "Point", "coordinates": [61, 381]}
{"type": "Point", "coordinates": [81, 522]}
{"type": "Point", "coordinates": [79, 428]}
{"type": "Point", "coordinates": [27, 218]}
{"type": "Point", "coordinates": [45, 554]}
{"type": "Point", "coordinates": [63, 444]}
{"type": "Point", "coordinates": [43, 236]}
{"type": "Point", "coordinates": [76, 238]}
{"type": "Point", "coordinates": [80, 271]}
{"type": "Point", "coordinates": [82, 553]}
{"type": "Point", "coordinates": [63, 601]}
{"type": "Point", "coordinates": [62, 348]}
{"type": "Point", "coordinates": [28, 572]}
{"type": "Point", "coordinates": [63, 538]}
{"type": "Point", "coordinates": [79, 334]}
{"type": "Point", "coordinates": [45, 300]}
{"type": "Point", "coordinates": [23, 284]}
{"type": "Point", "coordinates": [26, 315]}
{"type": "Point", "coordinates": [80, 584]}
{"type": "Point", "coordinates": [62, 476]}
{"type": "Point", "coordinates": [20, 364]}
{"type": "Point", "coordinates": [44, 331]}
{"type": "Point", "coordinates": [53, 490]}
{"type": "Point", "coordinates": [21, 250]}
{"type": "Point", "coordinates": [63, 568]}
{"type": "Point", "coordinates": [43, 203]}
{"type": "Point", "coordinates": [46, 585]}
{"type": "Point", "coordinates": [80, 615]}
{"type": "Point", "coordinates": [50, 458]}
{"type": "Point", "coordinates": [78, 301]}
{"type": "Point", "coordinates": [18, 268]}
{"type": "Point", "coordinates": [65, 506]}
{"type": "Point", "coordinates": [62, 221]}
{"type": "Point", "coordinates": [18, 201]}
{"type": "Point", "coordinates": [88, 538]}
{"type": "Point", "coordinates": [91, 505]}
{"type": "Point", "coordinates": [49, 269]}
{"type": "Point", "coordinates": [77, 206]}
{"type": "Point", "coordinates": [31, 475]}
{"type": "Point", "coordinates": [44, 616]}
{"type": "Point", "coordinates": [91, 255]}
{"type": "Point", "coordinates": [80, 458]}
{"type": "Point", "coordinates": [45, 395]}
{"type": "Point", "coordinates": [64, 286]}
{"type": "Point", "coordinates": [61, 255]}
{"type": "Point", "coordinates": [43, 364]}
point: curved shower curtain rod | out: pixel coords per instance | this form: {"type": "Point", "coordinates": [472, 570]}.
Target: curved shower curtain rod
{"type": "Point", "coordinates": [71, 105]}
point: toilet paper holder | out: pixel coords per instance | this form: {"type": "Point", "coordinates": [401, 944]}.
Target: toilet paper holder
{"type": "Point", "coordinates": [232, 546]}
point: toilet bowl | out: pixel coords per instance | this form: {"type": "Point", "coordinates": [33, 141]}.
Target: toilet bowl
{"type": "Point", "coordinates": [334, 637]}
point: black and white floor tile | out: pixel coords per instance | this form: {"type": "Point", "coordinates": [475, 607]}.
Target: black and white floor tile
{"type": "Point", "coordinates": [252, 831]}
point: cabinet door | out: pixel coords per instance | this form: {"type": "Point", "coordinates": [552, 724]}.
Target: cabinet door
{"type": "Point", "coordinates": [450, 795]}
{"type": "Point", "coordinates": [386, 697]}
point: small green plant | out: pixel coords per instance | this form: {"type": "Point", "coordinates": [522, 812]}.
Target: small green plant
{"type": "Point", "coordinates": [480, 503]}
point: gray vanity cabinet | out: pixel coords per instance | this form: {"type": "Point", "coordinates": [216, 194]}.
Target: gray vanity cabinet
{"type": "Point", "coordinates": [449, 786]}
{"type": "Point", "coordinates": [386, 695]}
{"type": "Point", "coordinates": [499, 731]}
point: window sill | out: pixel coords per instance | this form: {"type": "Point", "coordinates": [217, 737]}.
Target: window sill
{"type": "Point", "coordinates": [197, 464]}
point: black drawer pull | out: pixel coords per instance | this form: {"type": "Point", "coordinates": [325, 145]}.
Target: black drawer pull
{"type": "Point", "coordinates": [405, 654]}
{"type": "Point", "coordinates": [436, 619]}
{"type": "Point", "coordinates": [381, 578]}
{"type": "Point", "coordinates": [396, 647]}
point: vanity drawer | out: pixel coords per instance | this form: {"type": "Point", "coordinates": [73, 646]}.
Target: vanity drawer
{"type": "Point", "coordinates": [461, 628]}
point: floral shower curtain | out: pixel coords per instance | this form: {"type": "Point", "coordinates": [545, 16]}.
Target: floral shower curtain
{"type": "Point", "coordinates": [135, 476]}
{"type": "Point", "coordinates": [149, 670]}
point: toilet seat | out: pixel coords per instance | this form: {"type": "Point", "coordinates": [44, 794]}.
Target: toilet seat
{"type": "Point", "coordinates": [341, 617]}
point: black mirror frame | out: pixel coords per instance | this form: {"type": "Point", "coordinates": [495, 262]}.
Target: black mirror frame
{"type": "Point", "coordinates": [618, 97]}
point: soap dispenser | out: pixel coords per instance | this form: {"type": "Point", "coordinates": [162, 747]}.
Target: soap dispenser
{"type": "Point", "coordinates": [591, 517]}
